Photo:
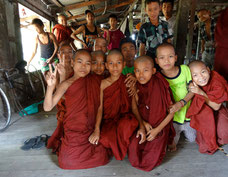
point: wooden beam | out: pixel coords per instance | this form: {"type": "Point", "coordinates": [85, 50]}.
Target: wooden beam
{"type": "Point", "coordinates": [59, 4]}
{"type": "Point", "coordinates": [213, 4]}
{"type": "Point", "coordinates": [98, 17]}
{"type": "Point", "coordinates": [82, 4]}
{"type": "Point", "coordinates": [38, 7]}
{"type": "Point", "coordinates": [102, 9]}
{"type": "Point", "coordinates": [129, 10]}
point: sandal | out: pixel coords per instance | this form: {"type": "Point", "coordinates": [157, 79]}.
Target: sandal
{"type": "Point", "coordinates": [29, 143]}
{"type": "Point", "coordinates": [41, 141]}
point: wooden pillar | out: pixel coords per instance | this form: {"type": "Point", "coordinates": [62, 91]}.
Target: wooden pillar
{"type": "Point", "coordinates": [10, 38]}
{"type": "Point", "coordinates": [191, 29]}
{"type": "Point", "coordinates": [4, 40]}
{"type": "Point", "coordinates": [181, 29]}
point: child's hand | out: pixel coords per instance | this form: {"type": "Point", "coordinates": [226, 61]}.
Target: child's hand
{"type": "Point", "coordinates": [94, 137]}
{"type": "Point", "coordinates": [147, 126]}
{"type": "Point", "coordinates": [195, 89]}
{"type": "Point", "coordinates": [175, 107]}
{"type": "Point", "coordinates": [49, 60]}
{"type": "Point", "coordinates": [130, 81]}
{"type": "Point", "coordinates": [61, 67]}
{"type": "Point", "coordinates": [105, 30]}
{"type": "Point", "coordinates": [51, 76]}
{"type": "Point", "coordinates": [141, 132]}
{"type": "Point", "coordinates": [151, 134]}
{"type": "Point", "coordinates": [84, 45]}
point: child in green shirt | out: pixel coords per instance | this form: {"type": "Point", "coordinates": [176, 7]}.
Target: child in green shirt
{"type": "Point", "coordinates": [128, 50]}
{"type": "Point", "coordinates": [178, 77]}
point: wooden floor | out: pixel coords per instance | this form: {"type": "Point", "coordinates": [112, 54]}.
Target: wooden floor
{"type": "Point", "coordinates": [186, 162]}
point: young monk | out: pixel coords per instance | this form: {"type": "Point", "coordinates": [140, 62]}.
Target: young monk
{"type": "Point", "coordinates": [118, 123]}
{"type": "Point", "coordinates": [98, 62]}
{"type": "Point", "coordinates": [208, 116]}
{"type": "Point", "coordinates": [65, 70]}
{"type": "Point", "coordinates": [81, 93]}
{"type": "Point", "coordinates": [153, 104]}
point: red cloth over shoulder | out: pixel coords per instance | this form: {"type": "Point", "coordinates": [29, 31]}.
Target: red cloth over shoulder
{"type": "Point", "coordinates": [154, 102]}
{"type": "Point", "coordinates": [75, 151]}
{"type": "Point", "coordinates": [204, 119]}
{"type": "Point", "coordinates": [118, 122]}
{"type": "Point", "coordinates": [62, 33]}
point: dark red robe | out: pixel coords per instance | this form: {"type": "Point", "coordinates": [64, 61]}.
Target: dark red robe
{"type": "Point", "coordinates": [70, 139]}
{"type": "Point", "coordinates": [62, 33]}
{"type": "Point", "coordinates": [221, 38]}
{"type": "Point", "coordinates": [211, 125]}
{"type": "Point", "coordinates": [154, 102]}
{"type": "Point", "coordinates": [118, 123]}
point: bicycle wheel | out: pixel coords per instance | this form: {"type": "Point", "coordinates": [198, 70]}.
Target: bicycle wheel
{"type": "Point", "coordinates": [5, 111]}
{"type": "Point", "coordinates": [36, 80]}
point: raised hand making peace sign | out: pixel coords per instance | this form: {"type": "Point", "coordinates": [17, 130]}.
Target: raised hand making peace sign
{"type": "Point", "coordinates": [51, 76]}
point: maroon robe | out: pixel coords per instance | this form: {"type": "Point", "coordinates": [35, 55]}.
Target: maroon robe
{"type": "Point", "coordinates": [211, 126]}
{"type": "Point", "coordinates": [154, 102]}
{"type": "Point", "coordinates": [118, 123]}
{"type": "Point", "coordinates": [70, 139]}
{"type": "Point", "coordinates": [62, 33]}
{"type": "Point", "coordinates": [221, 38]}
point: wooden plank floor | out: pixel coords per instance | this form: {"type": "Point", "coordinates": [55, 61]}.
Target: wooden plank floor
{"type": "Point", "coordinates": [186, 162]}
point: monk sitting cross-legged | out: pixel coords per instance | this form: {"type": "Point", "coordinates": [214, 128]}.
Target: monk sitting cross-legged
{"type": "Point", "coordinates": [154, 100]}
{"type": "Point", "coordinates": [81, 93]}
{"type": "Point", "coordinates": [118, 123]}
{"type": "Point", "coordinates": [208, 116]}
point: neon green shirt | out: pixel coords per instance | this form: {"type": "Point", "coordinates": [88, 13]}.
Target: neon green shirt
{"type": "Point", "coordinates": [178, 86]}
{"type": "Point", "coordinates": [127, 70]}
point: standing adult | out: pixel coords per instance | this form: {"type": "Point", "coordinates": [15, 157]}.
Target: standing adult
{"type": "Point", "coordinates": [221, 38]}
{"type": "Point", "coordinates": [89, 30]}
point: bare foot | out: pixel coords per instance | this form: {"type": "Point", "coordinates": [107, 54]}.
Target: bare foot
{"type": "Point", "coordinates": [172, 147]}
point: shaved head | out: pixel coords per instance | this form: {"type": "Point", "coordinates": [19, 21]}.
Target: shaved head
{"type": "Point", "coordinates": [80, 51]}
{"type": "Point", "coordinates": [98, 53]}
{"type": "Point", "coordinates": [145, 58]}
{"type": "Point", "coordinates": [115, 52]}
{"type": "Point", "coordinates": [196, 63]}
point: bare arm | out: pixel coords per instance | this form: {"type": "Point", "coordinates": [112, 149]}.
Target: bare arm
{"type": "Point", "coordinates": [52, 37]}
{"type": "Point", "coordinates": [34, 51]}
{"type": "Point", "coordinates": [141, 131]}
{"type": "Point", "coordinates": [202, 45]}
{"type": "Point", "coordinates": [195, 89]}
{"type": "Point", "coordinates": [178, 105]}
{"type": "Point", "coordinates": [76, 32]}
{"type": "Point", "coordinates": [99, 32]}
{"type": "Point", "coordinates": [142, 49]}
{"type": "Point", "coordinates": [55, 32]}
{"type": "Point", "coordinates": [153, 132]}
{"type": "Point", "coordinates": [107, 35]}
{"type": "Point", "coordinates": [51, 98]}
{"type": "Point", "coordinates": [95, 136]}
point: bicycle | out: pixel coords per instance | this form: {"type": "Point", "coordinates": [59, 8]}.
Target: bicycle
{"type": "Point", "coordinates": [24, 87]}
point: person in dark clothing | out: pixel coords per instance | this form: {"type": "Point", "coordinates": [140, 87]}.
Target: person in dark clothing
{"type": "Point", "coordinates": [48, 46]}
{"type": "Point", "coordinates": [89, 30]}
